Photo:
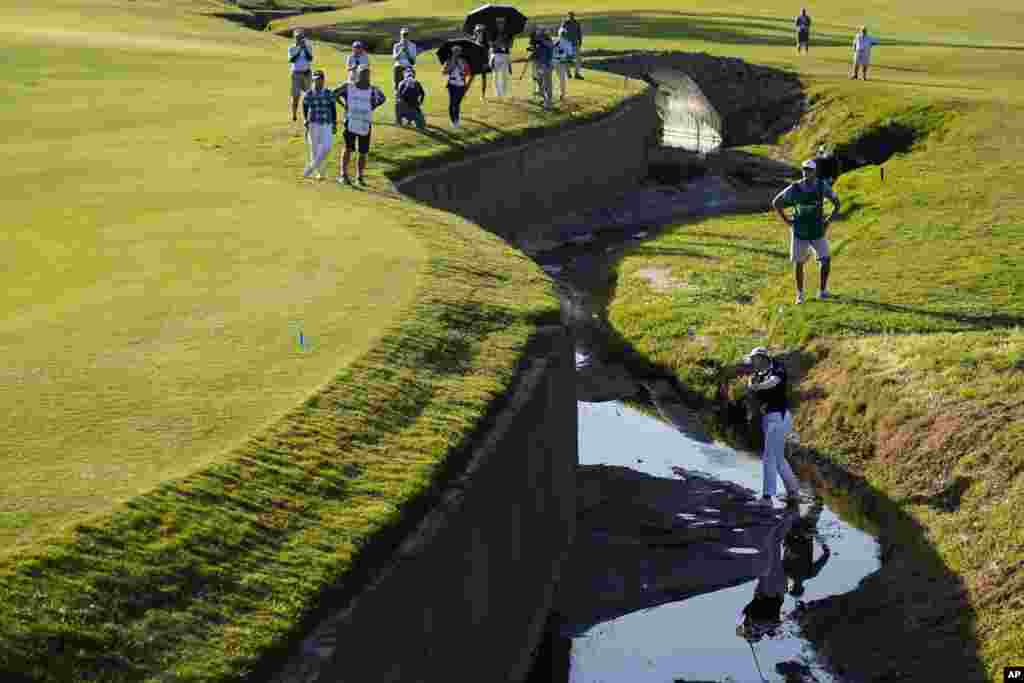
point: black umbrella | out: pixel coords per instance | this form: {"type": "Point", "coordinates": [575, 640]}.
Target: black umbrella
{"type": "Point", "coordinates": [515, 21]}
{"type": "Point", "coordinates": [472, 52]}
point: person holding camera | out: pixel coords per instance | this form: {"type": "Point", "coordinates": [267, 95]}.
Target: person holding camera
{"type": "Point", "coordinates": [357, 60]}
{"type": "Point", "coordinates": [541, 53]}
{"type": "Point", "coordinates": [404, 52]}
{"type": "Point", "coordinates": [409, 105]}
{"type": "Point", "coordinates": [460, 77]}
{"type": "Point", "coordinates": [321, 120]}
{"type": "Point", "coordinates": [300, 57]}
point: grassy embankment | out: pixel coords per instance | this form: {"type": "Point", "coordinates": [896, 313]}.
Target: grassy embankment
{"type": "Point", "coordinates": [913, 379]}
{"type": "Point", "coordinates": [181, 478]}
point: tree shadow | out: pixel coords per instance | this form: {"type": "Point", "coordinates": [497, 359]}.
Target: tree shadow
{"type": "Point", "coordinates": [946, 500]}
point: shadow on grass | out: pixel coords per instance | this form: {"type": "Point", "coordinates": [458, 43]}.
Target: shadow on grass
{"type": "Point", "coordinates": [982, 322]}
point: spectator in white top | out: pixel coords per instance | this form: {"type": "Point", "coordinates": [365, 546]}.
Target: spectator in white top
{"type": "Point", "coordinates": [404, 52]}
{"type": "Point", "coordinates": [359, 99]}
{"type": "Point", "coordinates": [300, 57]}
{"type": "Point", "coordinates": [357, 59]}
{"type": "Point", "coordinates": [862, 45]}
{"type": "Point", "coordinates": [564, 56]}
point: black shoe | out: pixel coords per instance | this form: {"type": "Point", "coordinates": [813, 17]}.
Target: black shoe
{"type": "Point", "coordinates": [361, 181]}
{"type": "Point", "coordinates": [579, 77]}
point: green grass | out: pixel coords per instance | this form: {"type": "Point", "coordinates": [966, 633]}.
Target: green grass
{"type": "Point", "coordinates": [927, 264]}
{"type": "Point", "coordinates": [182, 480]}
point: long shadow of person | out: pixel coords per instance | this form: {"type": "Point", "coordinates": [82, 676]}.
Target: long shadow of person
{"type": "Point", "coordinates": [762, 617]}
{"type": "Point", "coordinates": [798, 558]}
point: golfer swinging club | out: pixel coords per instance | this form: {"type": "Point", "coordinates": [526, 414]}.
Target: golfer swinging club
{"type": "Point", "coordinates": [809, 224]}
{"type": "Point", "coordinates": [768, 385]}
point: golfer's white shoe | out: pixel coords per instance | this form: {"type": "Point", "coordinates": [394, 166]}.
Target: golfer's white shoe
{"type": "Point", "coordinates": [799, 297]}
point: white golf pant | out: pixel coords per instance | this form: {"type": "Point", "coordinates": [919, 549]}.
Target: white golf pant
{"type": "Point", "coordinates": [320, 138]}
{"type": "Point", "coordinates": [776, 427]}
{"type": "Point", "coordinates": [500, 70]}
{"type": "Point", "coordinates": [562, 68]}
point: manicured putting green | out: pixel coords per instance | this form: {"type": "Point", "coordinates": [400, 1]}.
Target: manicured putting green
{"type": "Point", "coordinates": [155, 275]}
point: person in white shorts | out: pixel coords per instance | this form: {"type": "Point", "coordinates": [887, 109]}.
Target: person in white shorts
{"type": "Point", "coordinates": [300, 57]}
{"type": "Point", "coordinates": [862, 44]}
{"type": "Point", "coordinates": [809, 224]}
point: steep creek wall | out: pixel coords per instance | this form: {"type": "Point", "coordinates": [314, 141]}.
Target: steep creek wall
{"type": "Point", "coordinates": [468, 594]}
{"type": "Point", "coordinates": [509, 190]}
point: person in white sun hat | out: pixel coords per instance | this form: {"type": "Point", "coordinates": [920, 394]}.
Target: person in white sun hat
{"type": "Point", "coordinates": [768, 384]}
{"type": "Point", "coordinates": [809, 225]}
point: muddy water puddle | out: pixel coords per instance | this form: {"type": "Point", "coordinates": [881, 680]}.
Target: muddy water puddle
{"type": "Point", "coordinates": [694, 638]}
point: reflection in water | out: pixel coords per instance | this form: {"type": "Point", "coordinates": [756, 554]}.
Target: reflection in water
{"type": "Point", "coordinates": [703, 631]}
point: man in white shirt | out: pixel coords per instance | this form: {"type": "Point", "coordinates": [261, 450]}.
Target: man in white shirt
{"type": "Point", "coordinates": [862, 45]}
{"type": "Point", "coordinates": [300, 56]}
{"type": "Point", "coordinates": [564, 57]}
{"type": "Point", "coordinates": [359, 99]}
{"type": "Point", "coordinates": [404, 52]}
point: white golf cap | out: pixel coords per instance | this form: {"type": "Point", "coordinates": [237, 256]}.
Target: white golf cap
{"type": "Point", "coordinates": [405, 29]}
{"type": "Point", "coordinates": [809, 164]}
{"type": "Point", "coordinates": [757, 351]}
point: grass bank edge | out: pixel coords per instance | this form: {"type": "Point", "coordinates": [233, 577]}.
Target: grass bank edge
{"type": "Point", "coordinates": [212, 576]}
{"type": "Point", "coordinates": [928, 420]}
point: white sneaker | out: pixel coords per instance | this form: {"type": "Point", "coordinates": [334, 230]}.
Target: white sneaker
{"type": "Point", "coordinates": [824, 294]}
{"type": "Point", "coordinates": [799, 297]}
{"type": "Point", "coordinates": [455, 124]}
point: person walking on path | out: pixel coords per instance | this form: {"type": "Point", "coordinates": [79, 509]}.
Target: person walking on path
{"type": "Point", "coordinates": [359, 99]}
{"type": "Point", "coordinates": [404, 53]}
{"type": "Point", "coordinates": [460, 76]}
{"type": "Point", "coordinates": [574, 33]}
{"type": "Point", "coordinates": [321, 117]}
{"type": "Point", "coordinates": [357, 59]}
{"type": "Point", "coordinates": [803, 30]}
{"type": "Point", "coordinates": [300, 57]}
{"type": "Point", "coordinates": [541, 56]}
{"type": "Point", "coordinates": [862, 44]}
{"type": "Point", "coordinates": [768, 384]}
{"type": "Point", "coordinates": [564, 54]}
{"type": "Point", "coordinates": [409, 101]}
{"type": "Point", "coordinates": [481, 39]}
{"type": "Point", "coordinates": [809, 224]}
{"type": "Point", "coordinates": [500, 61]}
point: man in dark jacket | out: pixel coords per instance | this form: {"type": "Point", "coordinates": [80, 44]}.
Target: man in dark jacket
{"type": "Point", "coordinates": [769, 385]}
{"type": "Point", "coordinates": [409, 102]}
{"type": "Point", "coordinates": [574, 33]}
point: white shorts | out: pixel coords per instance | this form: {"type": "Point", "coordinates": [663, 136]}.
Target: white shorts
{"type": "Point", "coordinates": [798, 249]}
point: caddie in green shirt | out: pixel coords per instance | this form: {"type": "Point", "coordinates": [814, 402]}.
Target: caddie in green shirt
{"type": "Point", "coordinates": [810, 226]}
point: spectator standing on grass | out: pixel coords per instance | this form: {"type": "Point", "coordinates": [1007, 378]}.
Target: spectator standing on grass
{"type": "Point", "coordinates": [459, 76]}
{"type": "Point", "coordinates": [768, 384]}
{"type": "Point", "coordinates": [481, 39]}
{"type": "Point", "coordinates": [574, 33]}
{"type": "Point", "coordinates": [409, 97]}
{"type": "Point", "coordinates": [300, 57]}
{"type": "Point", "coordinates": [359, 99]}
{"type": "Point", "coordinates": [803, 30]}
{"type": "Point", "coordinates": [404, 53]}
{"type": "Point", "coordinates": [564, 55]}
{"type": "Point", "coordinates": [541, 55]}
{"type": "Point", "coordinates": [321, 120]}
{"type": "Point", "coordinates": [809, 224]}
{"type": "Point", "coordinates": [862, 44]}
{"type": "Point", "coordinates": [500, 61]}
{"type": "Point", "coordinates": [356, 60]}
